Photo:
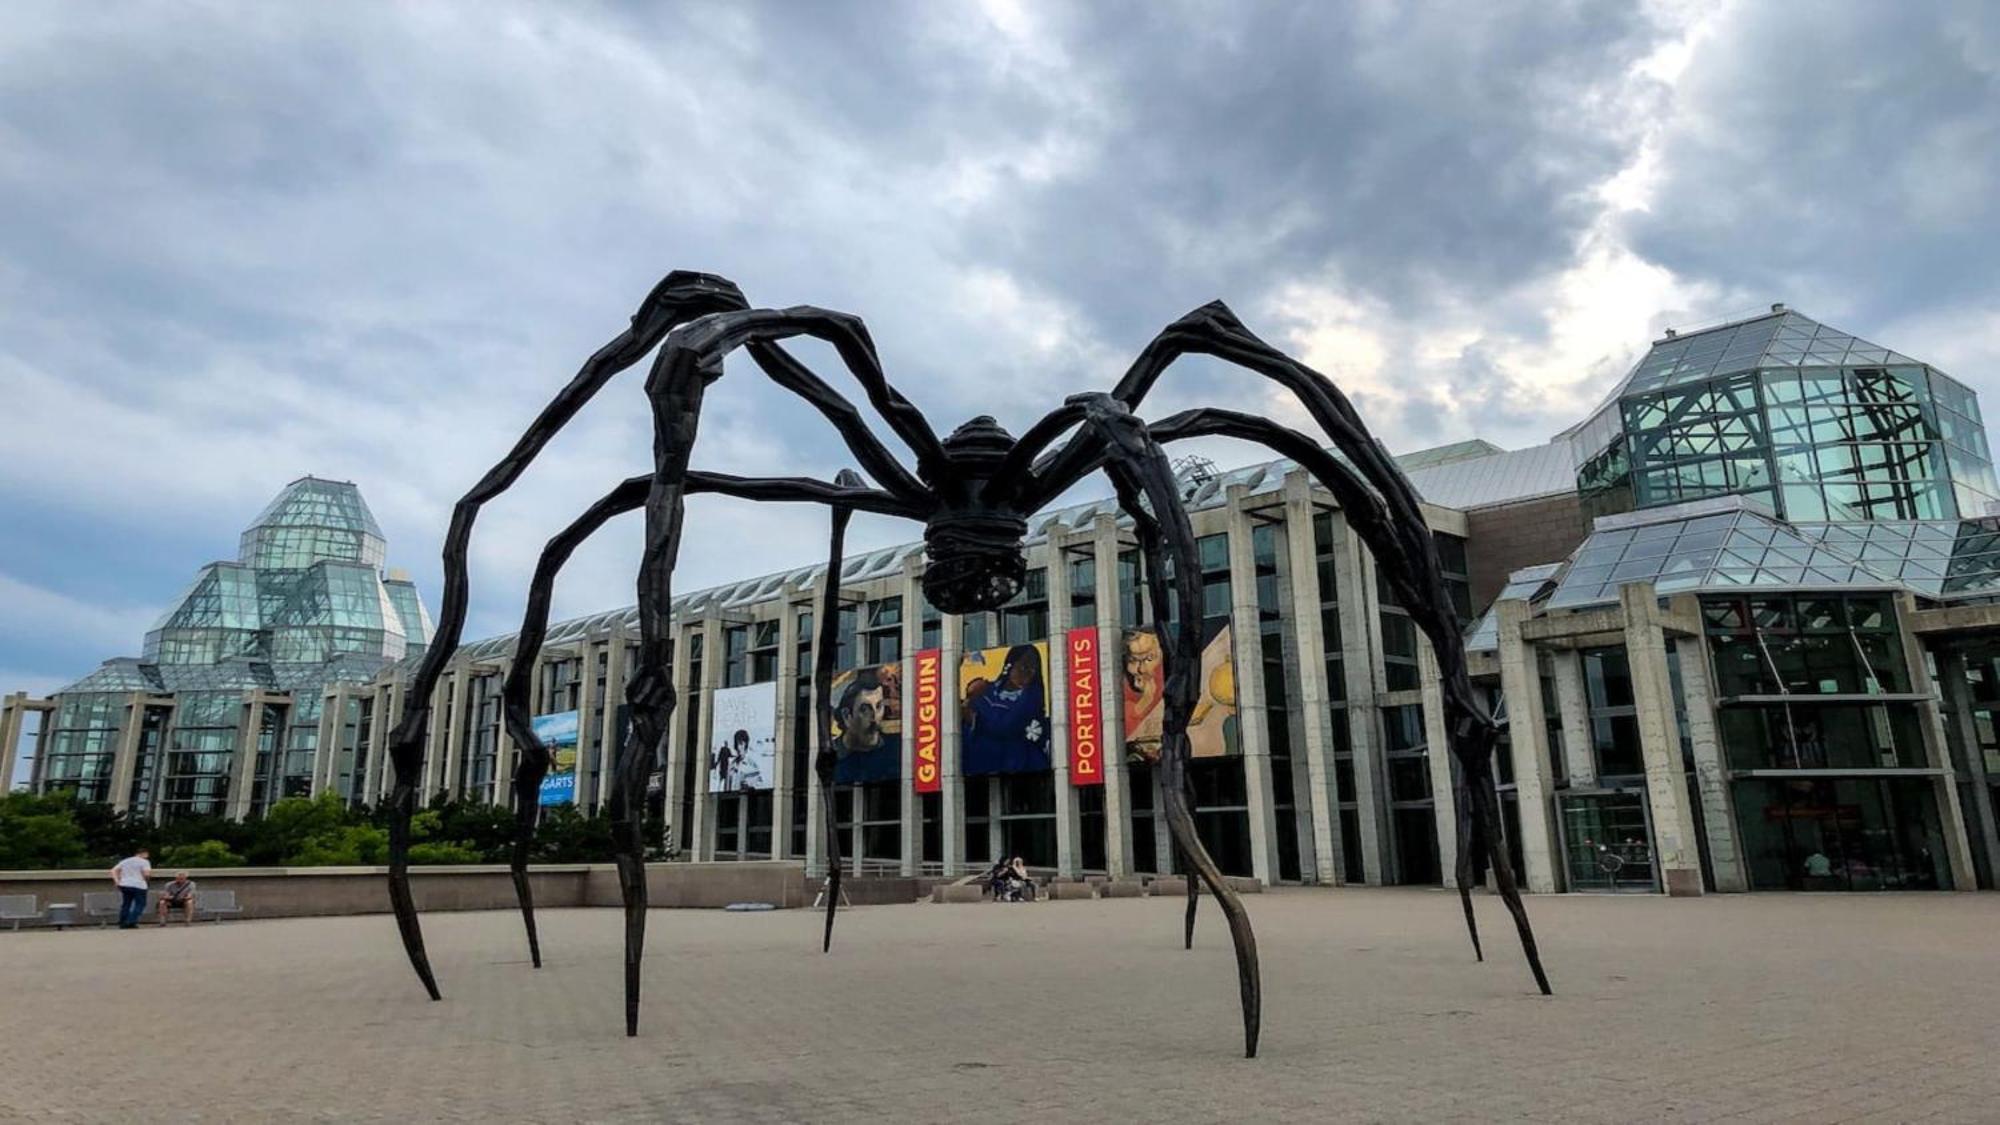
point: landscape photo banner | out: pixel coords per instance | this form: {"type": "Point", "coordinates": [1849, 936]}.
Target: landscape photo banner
{"type": "Point", "coordinates": [745, 733]}
{"type": "Point", "coordinates": [1004, 710]}
{"type": "Point", "coordinates": [867, 705]}
{"type": "Point", "coordinates": [558, 732]}
{"type": "Point", "coordinates": [927, 720]}
{"type": "Point", "coordinates": [1086, 709]}
{"type": "Point", "coordinates": [1212, 728]}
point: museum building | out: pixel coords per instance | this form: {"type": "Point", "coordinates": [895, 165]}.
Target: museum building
{"type": "Point", "coordinates": [1742, 627]}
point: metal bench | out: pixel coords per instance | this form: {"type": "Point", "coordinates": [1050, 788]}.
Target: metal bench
{"type": "Point", "coordinates": [18, 909]}
{"type": "Point", "coordinates": [101, 906]}
{"type": "Point", "coordinates": [215, 904]}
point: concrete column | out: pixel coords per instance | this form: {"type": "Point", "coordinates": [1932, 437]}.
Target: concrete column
{"type": "Point", "coordinates": [1573, 710]}
{"type": "Point", "coordinates": [243, 782]}
{"type": "Point", "coordinates": [951, 781]}
{"type": "Point", "coordinates": [1970, 763]}
{"type": "Point", "coordinates": [809, 788]}
{"type": "Point", "coordinates": [712, 660]}
{"type": "Point", "coordinates": [332, 724]}
{"type": "Point", "coordinates": [586, 702]}
{"type": "Point", "coordinates": [437, 733]}
{"type": "Point", "coordinates": [1711, 768]}
{"type": "Point", "coordinates": [1675, 845]}
{"type": "Point", "coordinates": [1527, 732]}
{"type": "Point", "coordinates": [1069, 821]}
{"type": "Point", "coordinates": [783, 784]}
{"type": "Point", "coordinates": [1251, 722]}
{"type": "Point", "coordinates": [125, 761]}
{"type": "Point", "coordinates": [1315, 786]}
{"type": "Point", "coordinates": [1437, 754]}
{"type": "Point", "coordinates": [1937, 754]}
{"type": "Point", "coordinates": [399, 702]}
{"type": "Point", "coordinates": [454, 732]}
{"type": "Point", "coordinates": [611, 736]}
{"type": "Point", "coordinates": [1361, 664]}
{"type": "Point", "coordinates": [911, 830]}
{"type": "Point", "coordinates": [385, 718]}
{"type": "Point", "coordinates": [13, 713]}
{"type": "Point", "coordinates": [1110, 673]}
{"type": "Point", "coordinates": [685, 695]}
{"type": "Point", "coordinates": [43, 732]}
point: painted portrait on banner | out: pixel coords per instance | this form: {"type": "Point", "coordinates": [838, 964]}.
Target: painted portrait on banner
{"type": "Point", "coordinates": [558, 732]}
{"type": "Point", "coordinates": [1212, 728]}
{"type": "Point", "coordinates": [868, 724]}
{"type": "Point", "coordinates": [1003, 698]}
{"type": "Point", "coordinates": [745, 733]}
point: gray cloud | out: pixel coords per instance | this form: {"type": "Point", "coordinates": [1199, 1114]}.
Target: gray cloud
{"type": "Point", "coordinates": [1847, 160]}
{"type": "Point", "coordinates": [245, 243]}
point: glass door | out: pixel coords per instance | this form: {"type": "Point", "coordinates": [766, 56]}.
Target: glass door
{"type": "Point", "coordinates": [1607, 841]}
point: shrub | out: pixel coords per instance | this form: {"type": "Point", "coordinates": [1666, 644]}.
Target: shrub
{"type": "Point", "coordinates": [357, 845]}
{"type": "Point", "coordinates": [207, 853]}
{"type": "Point", "coordinates": [433, 852]}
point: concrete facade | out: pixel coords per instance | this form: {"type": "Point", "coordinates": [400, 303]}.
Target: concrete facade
{"type": "Point", "coordinates": [1636, 758]}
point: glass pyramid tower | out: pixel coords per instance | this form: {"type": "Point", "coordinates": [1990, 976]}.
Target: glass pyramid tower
{"type": "Point", "coordinates": [1816, 424]}
{"type": "Point", "coordinates": [303, 607]}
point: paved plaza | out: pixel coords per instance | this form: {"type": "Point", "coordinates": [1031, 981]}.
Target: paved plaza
{"type": "Point", "coordinates": [1739, 1008]}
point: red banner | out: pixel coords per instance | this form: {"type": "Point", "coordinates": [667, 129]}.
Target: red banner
{"type": "Point", "coordinates": [929, 719]}
{"type": "Point", "coordinates": [1086, 732]}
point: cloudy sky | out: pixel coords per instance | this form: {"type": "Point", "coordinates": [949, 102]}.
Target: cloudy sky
{"type": "Point", "coordinates": [239, 244]}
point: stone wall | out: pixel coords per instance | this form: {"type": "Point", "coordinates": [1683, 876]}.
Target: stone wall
{"type": "Point", "coordinates": [280, 892]}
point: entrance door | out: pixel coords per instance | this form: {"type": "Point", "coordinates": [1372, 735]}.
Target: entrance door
{"type": "Point", "coordinates": [1607, 841]}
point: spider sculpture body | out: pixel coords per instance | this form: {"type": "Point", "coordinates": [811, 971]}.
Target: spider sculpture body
{"type": "Point", "coordinates": [974, 492]}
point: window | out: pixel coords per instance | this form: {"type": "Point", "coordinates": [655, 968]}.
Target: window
{"type": "Point", "coordinates": [1082, 590]}
{"type": "Point", "coordinates": [882, 631]}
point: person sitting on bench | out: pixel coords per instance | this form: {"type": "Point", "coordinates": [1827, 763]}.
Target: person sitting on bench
{"type": "Point", "coordinates": [179, 893]}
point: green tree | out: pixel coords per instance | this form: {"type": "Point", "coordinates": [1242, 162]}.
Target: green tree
{"type": "Point", "coordinates": [41, 833]}
{"type": "Point", "coordinates": [109, 835]}
{"type": "Point", "coordinates": [296, 822]}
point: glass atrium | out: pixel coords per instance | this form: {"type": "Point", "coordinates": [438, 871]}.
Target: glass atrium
{"type": "Point", "coordinates": [303, 608]}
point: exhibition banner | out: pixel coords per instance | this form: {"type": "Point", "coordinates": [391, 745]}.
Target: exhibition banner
{"type": "Point", "coordinates": [745, 732]}
{"type": "Point", "coordinates": [1004, 704]}
{"type": "Point", "coordinates": [1086, 746]}
{"type": "Point", "coordinates": [1211, 728]}
{"type": "Point", "coordinates": [557, 733]}
{"type": "Point", "coordinates": [867, 705]}
{"type": "Point", "coordinates": [929, 720]}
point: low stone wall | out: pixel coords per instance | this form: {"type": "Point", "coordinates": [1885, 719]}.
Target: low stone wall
{"type": "Point", "coordinates": [290, 892]}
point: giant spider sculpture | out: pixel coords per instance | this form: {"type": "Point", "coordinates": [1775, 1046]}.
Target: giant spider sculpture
{"type": "Point", "coordinates": [974, 492]}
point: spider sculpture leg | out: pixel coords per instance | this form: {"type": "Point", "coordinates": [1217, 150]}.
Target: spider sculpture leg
{"type": "Point", "coordinates": [681, 296]}
{"type": "Point", "coordinates": [1143, 479]}
{"type": "Point", "coordinates": [1193, 889]}
{"type": "Point", "coordinates": [689, 360]}
{"type": "Point", "coordinates": [1468, 848]}
{"type": "Point", "coordinates": [823, 655]}
{"type": "Point", "coordinates": [536, 758]}
{"type": "Point", "coordinates": [1470, 731]}
{"type": "Point", "coordinates": [628, 496]}
{"type": "Point", "coordinates": [1149, 533]}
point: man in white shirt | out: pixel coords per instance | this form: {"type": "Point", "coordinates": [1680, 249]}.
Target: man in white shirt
{"type": "Point", "coordinates": [130, 876]}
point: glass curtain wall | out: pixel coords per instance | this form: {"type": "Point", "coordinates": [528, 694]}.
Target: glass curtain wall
{"type": "Point", "coordinates": [1823, 738]}
{"type": "Point", "coordinates": [83, 743]}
